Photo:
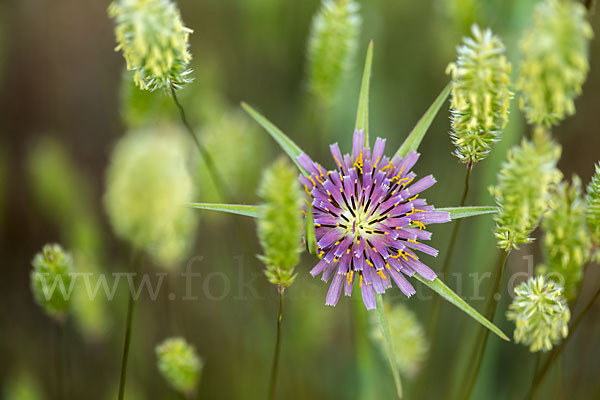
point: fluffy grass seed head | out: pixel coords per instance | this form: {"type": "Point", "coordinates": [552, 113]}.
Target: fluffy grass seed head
{"type": "Point", "coordinates": [179, 364]}
{"type": "Point", "coordinates": [154, 42]}
{"type": "Point", "coordinates": [480, 95]}
{"type": "Point", "coordinates": [147, 187]}
{"type": "Point", "coordinates": [331, 46]}
{"type": "Point", "coordinates": [566, 238]}
{"type": "Point", "coordinates": [555, 51]}
{"type": "Point", "coordinates": [524, 185]}
{"type": "Point", "coordinates": [592, 216]}
{"type": "Point", "coordinates": [410, 343]}
{"type": "Point", "coordinates": [51, 280]}
{"type": "Point", "coordinates": [280, 222]}
{"type": "Point", "coordinates": [540, 312]}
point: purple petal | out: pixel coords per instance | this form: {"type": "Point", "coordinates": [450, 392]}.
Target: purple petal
{"type": "Point", "coordinates": [368, 296]}
{"type": "Point", "coordinates": [335, 289]}
{"type": "Point", "coordinates": [337, 156]}
{"type": "Point", "coordinates": [402, 283]}
{"type": "Point", "coordinates": [421, 185]}
{"type": "Point", "coordinates": [307, 163]}
{"type": "Point", "coordinates": [420, 268]}
{"type": "Point", "coordinates": [321, 265]}
{"type": "Point", "coordinates": [436, 217]}
{"type": "Point", "coordinates": [378, 150]}
{"type": "Point", "coordinates": [358, 143]}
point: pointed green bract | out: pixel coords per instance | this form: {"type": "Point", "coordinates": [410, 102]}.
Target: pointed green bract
{"type": "Point", "coordinates": [464, 212]}
{"type": "Point", "coordinates": [440, 288]}
{"type": "Point", "coordinates": [239, 209]}
{"type": "Point", "coordinates": [362, 114]}
{"type": "Point", "coordinates": [388, 344]}
{"type": "Point", "coordinates": [290, 148]}
{"type": "Point", "coordinates": [415, 137]}
{"type": "Point", "coordinates": [252, 211]}
{"type": "Point", "coordinates": [309, 234]}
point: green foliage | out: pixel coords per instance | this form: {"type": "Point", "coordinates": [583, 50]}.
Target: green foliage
{"type": "Point", "coordinates": [51, 280]}
{"type": "Point", "coordinates": [592, 216]}
{"type": "Point", "coordinates": [154, 42]}
{"type": "Point", "coordinates": [147, 187]}
{"type": "Point", "coordinates": [280, 224]}
{"type": "Point", "coordinates": [540, 312]}
{"type": "Point", "coordinates": [408, 335]}
{"type": "Point", "coordinates": [179, 364]}
{"type": "Point", "coordinates": [524, 185]}
{"type": "Point", "coordinates": [480, 95]}
{"type": "Point", "coordinates": [21, 385]}
{"type": "Point", "coordinates": [555, 61]}
{"type": "Point", "coordinates": [331, 47]}
{"type": "Point", "coordinates": [566, 239]}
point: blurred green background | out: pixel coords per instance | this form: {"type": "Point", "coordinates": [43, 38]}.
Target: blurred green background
{"type": "Point", "coordinates": [64, 102]}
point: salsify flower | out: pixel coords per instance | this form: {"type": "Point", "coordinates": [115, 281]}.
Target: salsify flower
{"type": "Point", "coordinates": [369, 220]}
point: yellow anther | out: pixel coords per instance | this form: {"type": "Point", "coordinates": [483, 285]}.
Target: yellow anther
{"type": "Point", "coordinates": [307, 191]}
{"type": "Point", "coordinates": [381, 274]}
{"type": "Point", "coordinates": [317, 225]}
{"type": "Point", "coordinates": [320, 181]}
{"type": "Point", "coordinates": [411, 256]}
{"type": "Point", "coordinates": [337, 162]}
{"type": "Point", "coordinates": [376, 162]}
{"type": "Point", "coordinates": [338, 242]}
{"type": "Point", "coordinates": [412, 241]}
{"type": "Point", "coordinates": [369, 262]}
{"type": "Point", "coordinates": [320, 172]}
{"type": "Point", "coordinates": [335, 259]}
{"type": "Point", "coordinates": [349, 277]}
{"type": "Point", "coordinates": [360, 281]}
{"type": "Point", "coordinates": [388, 266]}
{"type": "Point", "coordinates": [408, 182]}
{"type": "Point", "coordinates": [312, 180]}
{"type": "Point", "coordinates": [348, 251]}
{"type": "Point", "coordinates": [414, 197]}
{"type": "Point", "coordinates": [420, 224]}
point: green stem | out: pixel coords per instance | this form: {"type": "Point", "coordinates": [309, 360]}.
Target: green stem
{"type": "Point", "coordinates": [557, 350]}
{"type": "Point", "coordinates": [135, 261]}
{"type": "Point", "coordinates": [275, 367]}
{"type": "Point", "coordinates": [437, 301]}
{"type": "Point", "coordinates": [206, 157]}
{"type": "Point", "coordinates": [489, 313]}
{"type": "Point", "coordinates": [388, 344]}
{"type": "Point", "coordinates": [58, 360]}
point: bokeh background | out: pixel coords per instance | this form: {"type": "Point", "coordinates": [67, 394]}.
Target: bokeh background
{"type": "Point", "coordinates": [64, 102]}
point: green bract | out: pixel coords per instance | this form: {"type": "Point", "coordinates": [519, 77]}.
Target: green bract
{"type": "Point", "coordinates": [51, 280]}
{"type": "Point", "coordinates": [179, 364]}
{"type": "Point", "coordinates": [555, 61]}
{"type": "Point", "coordinates": [409, 338]}
{"type": "Point", "coordinates": [540, 312]}
{"type": "Point", "coordinates": [280, 222]}
{"type": "Point", "coordinates": [154, 42]}
{"type": "Point", "coordinates": [480, 95]}
{"type": "Point", "coordinates": [331, 46]}
{"type": "Point", "coordinates": [566, 240]}
{"type": "Point", "coordinates": [148, 186]}
{"type": "Point", "coordinates": [523, 190]}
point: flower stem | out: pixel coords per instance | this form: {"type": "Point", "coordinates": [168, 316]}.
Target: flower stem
{"type": "Point", "coordinates": [389, 345]}
{"type": "Point", "coordinates": [58, 360]}
{"type": "Point", "coordinates": [557, 350]}
{"type": "Point", "coordinates": [135, 261]}
{"type": "Point", "coordinates": [437, 301]}
{"type": "Point", "coordinates": [275, 367]}
{"type": "Point", "coordinates": [206, 157]}
{"type": "Point", "coordinates": [489, 313]}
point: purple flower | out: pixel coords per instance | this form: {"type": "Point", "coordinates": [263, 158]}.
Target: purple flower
{"type": "Point", "coordinates": [369, 220]}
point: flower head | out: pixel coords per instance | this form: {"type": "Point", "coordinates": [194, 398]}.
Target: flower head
{"type": "Point", "coordinates": [480, 95]}
{"type": "Point", "coordinates": [540, 312]}
{"type": "Point", "coordinates": [154, 42]}
{"type": "Point", "coordinates": [524, 186]}
{"type": "Point", "coordinates": [566, 238]}
{"type": "Point", "coordinates": [369, 220]}
{"type": "Point", "coordinates": [555, 61]}
{"type": "Point", "coordinates": [280, 222]}
{"type": "Point", "coordinates": [331, 46]}
{"type": "Point", "coordinates": [592, 217]}
{"type": "Point", "coordinates": [148, 186]}
{"type": "Point", "coordinates": [179, 364]}
{"type": "Point", "coordinates": [51, 280]}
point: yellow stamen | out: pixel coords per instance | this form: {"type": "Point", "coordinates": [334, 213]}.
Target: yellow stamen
{"type": "Point", "coordinates": [349, 277]}
{"type": "Point", "coordinates": [381, 274]}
